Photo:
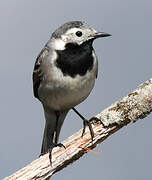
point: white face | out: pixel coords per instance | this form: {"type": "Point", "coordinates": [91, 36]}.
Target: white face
{"type": "Point", "coordinates": [77, 35]}
{"type": "Point", "coordinates": [73, 35]}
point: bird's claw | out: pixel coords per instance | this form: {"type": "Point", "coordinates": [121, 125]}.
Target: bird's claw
{"type": "Point", "coordinates": [60, 145]}
{"type": "Point", "coordinates": [95, 119]}
{"type": "Point", "coordinates": [51, 148]}
{"type": "Point", "coordinates": [88, 123]}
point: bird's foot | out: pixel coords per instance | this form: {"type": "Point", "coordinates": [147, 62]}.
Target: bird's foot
{"type": "Point", "coordinates": [59, 145]}
{"type": "Point", "coordinates": [88, 123]}
{"type": "Point", "coordinates": [51, 148]}
{"type": "Point", "coordinates": [96, 120]}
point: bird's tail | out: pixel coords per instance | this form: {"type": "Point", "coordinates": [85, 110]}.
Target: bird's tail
{"type": "Point", "coordinates": [54, 121]}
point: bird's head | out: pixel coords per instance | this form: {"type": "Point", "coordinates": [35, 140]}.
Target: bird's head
{"type": "Point", "coordinates": [76, 33]}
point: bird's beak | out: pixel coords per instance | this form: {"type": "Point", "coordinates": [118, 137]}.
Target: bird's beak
{"type": "Point", "coordinates": [100, 34]}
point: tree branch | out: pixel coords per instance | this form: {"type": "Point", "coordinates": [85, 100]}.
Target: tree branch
{"type": "Point", "coordinates": [134, 106]}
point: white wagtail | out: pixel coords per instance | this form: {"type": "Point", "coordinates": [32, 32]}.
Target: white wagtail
{"type": "Point", "coordinates": [64, 75]}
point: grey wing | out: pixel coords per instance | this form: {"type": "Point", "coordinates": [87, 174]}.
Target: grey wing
{"type": "Point", "coordinates": [37, 72]}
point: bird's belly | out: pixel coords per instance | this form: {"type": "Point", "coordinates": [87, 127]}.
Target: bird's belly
{"type": "Point", "coordinates": [67, 92]}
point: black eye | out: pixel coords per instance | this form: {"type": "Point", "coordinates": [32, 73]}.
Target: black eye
{"type": "Point", "coordinates": [79, 33]}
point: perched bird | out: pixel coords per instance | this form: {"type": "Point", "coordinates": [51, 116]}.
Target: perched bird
{"type": "Point", "coordinates": [64, 75]}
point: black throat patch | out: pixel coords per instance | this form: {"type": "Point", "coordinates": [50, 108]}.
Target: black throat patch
{"type": "Point", "coordinates": [75, 59]}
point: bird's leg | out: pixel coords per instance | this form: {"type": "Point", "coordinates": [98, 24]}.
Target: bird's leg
{"type": "Point", "coordinates": [88, 123]}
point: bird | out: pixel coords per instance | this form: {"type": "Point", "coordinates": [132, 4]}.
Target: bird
{"type": "Point", "coordinates": [64, 75]}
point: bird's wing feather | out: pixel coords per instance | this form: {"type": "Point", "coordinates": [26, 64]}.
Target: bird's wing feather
{"type": "Point", "coordinates": [37, 73]}
{"type": "Point", "coordinates": [97, 72]}
{"type": "Point", "coordinates": [95, 56]}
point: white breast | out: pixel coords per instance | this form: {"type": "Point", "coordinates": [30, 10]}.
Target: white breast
{"type": "Point", "coordinates": [61, 92]}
